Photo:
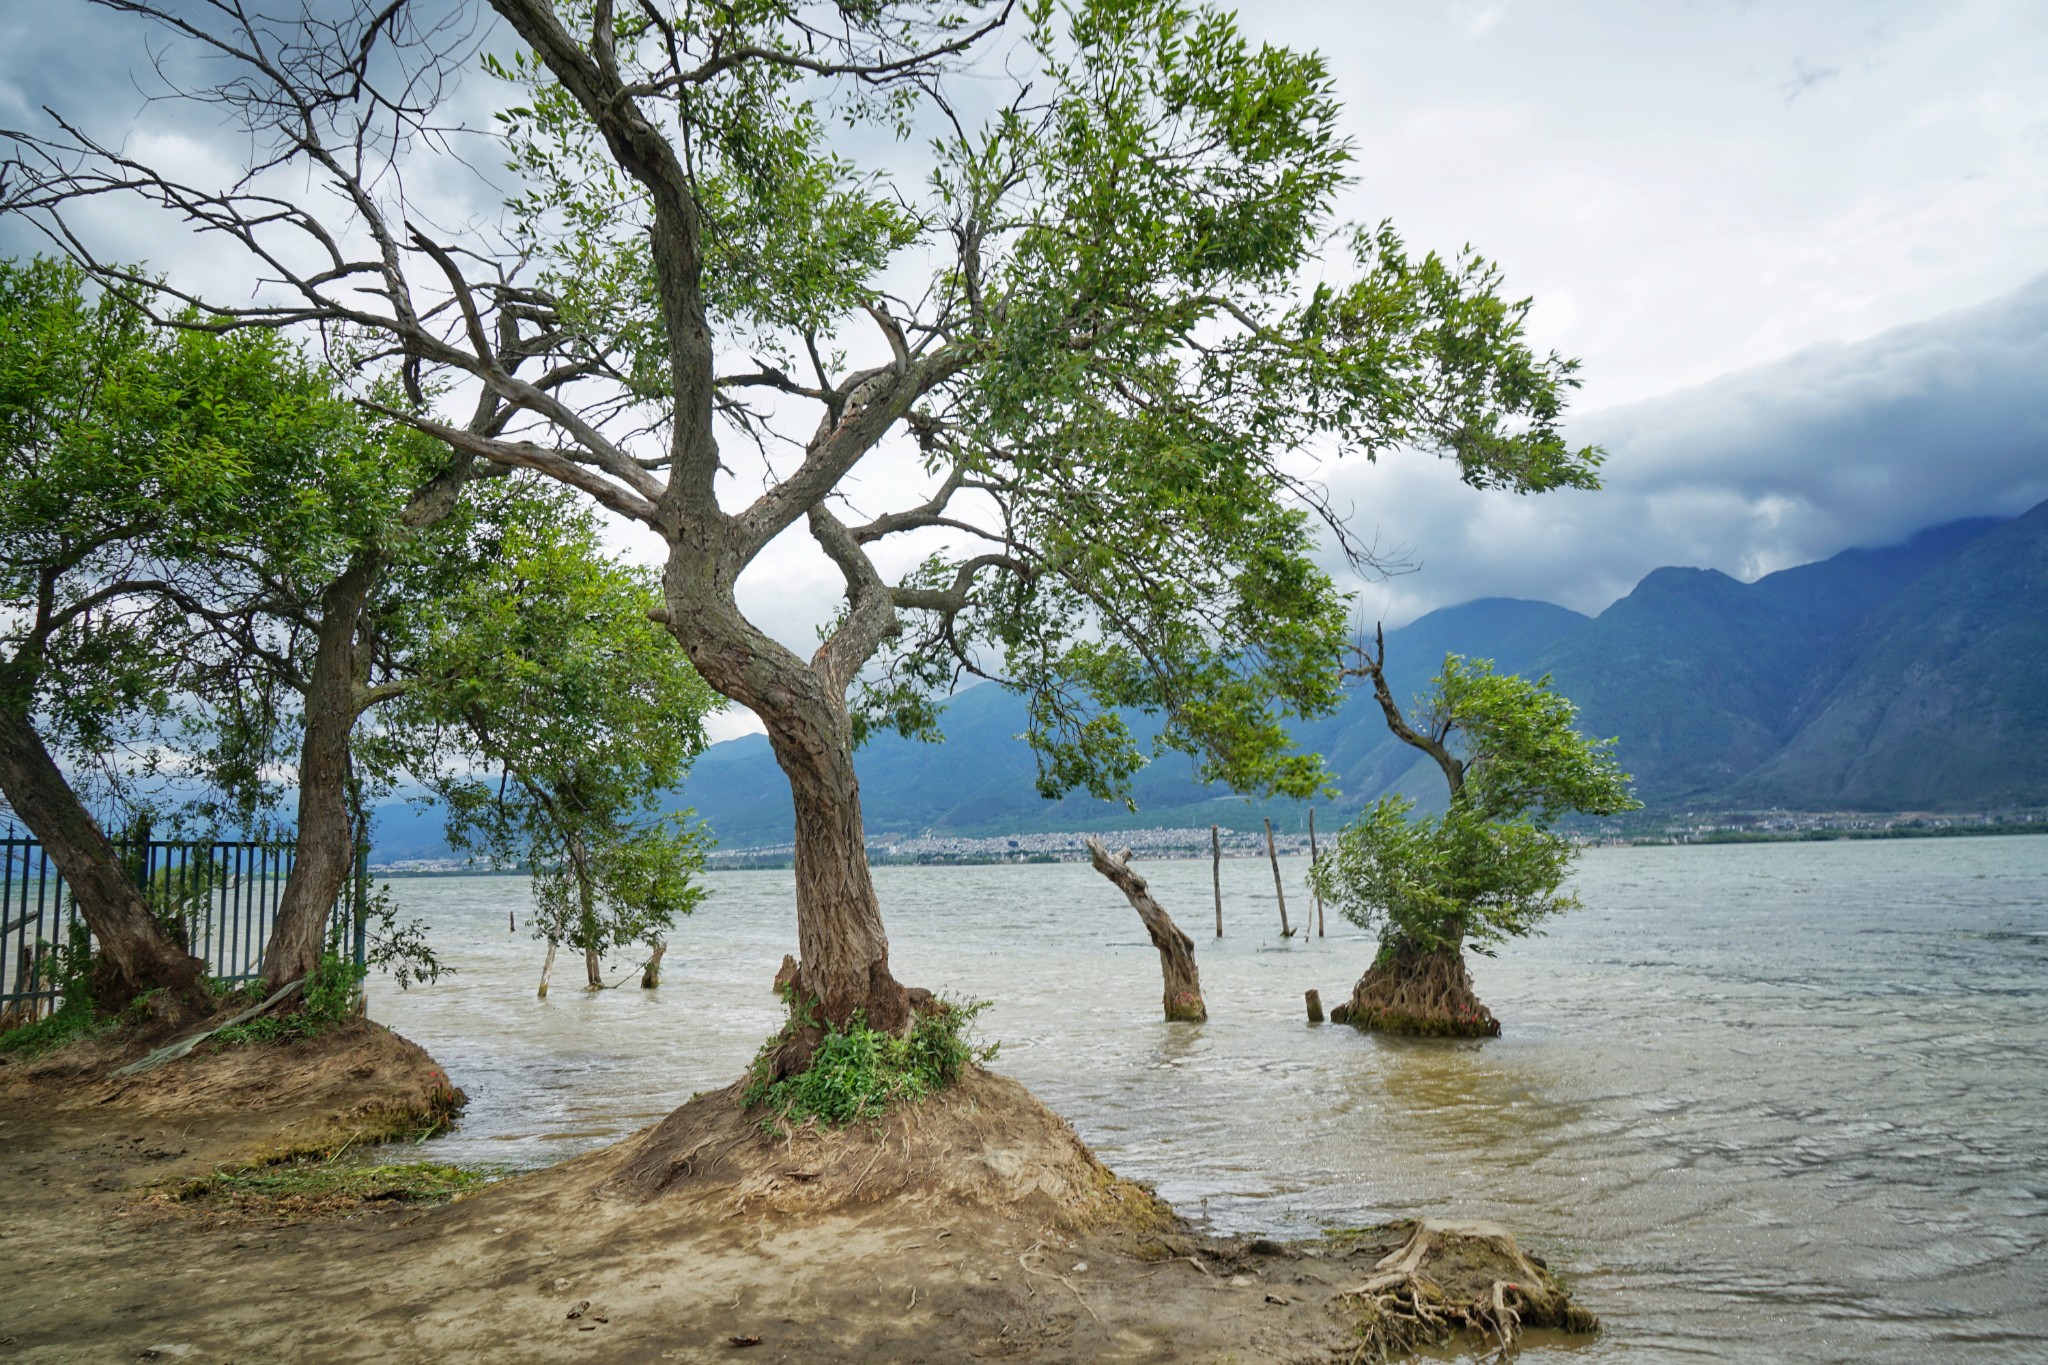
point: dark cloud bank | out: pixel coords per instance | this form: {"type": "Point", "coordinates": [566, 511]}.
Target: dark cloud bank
{"type": "Point", "coordinates": [1838, 446]}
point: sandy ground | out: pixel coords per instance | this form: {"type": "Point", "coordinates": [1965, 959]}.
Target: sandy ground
{"type": "Point", "coordinates": [973, 1227]}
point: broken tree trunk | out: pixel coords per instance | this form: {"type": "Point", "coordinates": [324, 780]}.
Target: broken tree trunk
{"type": "Point", "coordinates": [1183, 997]}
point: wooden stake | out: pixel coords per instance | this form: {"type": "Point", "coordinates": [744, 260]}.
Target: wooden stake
{"type": "Point", "coordinates": [1279, 892]}
{"type": "Point", "coordinates": [1315, 1007]}
{"type": "Point", "coordinates": [1312, 855]}
{"type": "Point", "coordinates": [1216, 874]}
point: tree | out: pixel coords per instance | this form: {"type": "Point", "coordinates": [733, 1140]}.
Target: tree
{"type": "Point", "coordinates": [1113, 364]}
{"type": "Point", "coordinates": [131, 454]}
{"type": "Point", "coordinates": [1491, 867]}
{"type": "Point", "coordinates": [551, 716]}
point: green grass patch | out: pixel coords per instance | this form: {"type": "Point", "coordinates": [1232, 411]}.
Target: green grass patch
{"type": "Point", "coordinates": [299, 1189]}
{"type": "Point", "coordinates": [857, 1073]}
{"type": "Point", "coordinates": [328, 999]}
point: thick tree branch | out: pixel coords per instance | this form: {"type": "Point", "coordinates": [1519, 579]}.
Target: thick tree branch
{"type": "Point", "coordinates": [1373, 666]}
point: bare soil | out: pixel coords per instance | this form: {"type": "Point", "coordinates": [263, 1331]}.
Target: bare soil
{"type": "Point", "coordinates": [973, 1226]}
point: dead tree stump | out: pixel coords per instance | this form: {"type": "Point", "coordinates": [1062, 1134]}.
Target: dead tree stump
{"type": "Point", "coordinates": [1183, 997]}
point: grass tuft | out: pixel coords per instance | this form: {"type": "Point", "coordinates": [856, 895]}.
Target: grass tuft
{"type": "Point", "coordinates": [856, 1073]}
{"type": "Point", "coordinates": [311, 1189]}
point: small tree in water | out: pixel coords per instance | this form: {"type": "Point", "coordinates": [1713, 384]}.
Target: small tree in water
{"type": "Point", "coordinates": [1490, 868]}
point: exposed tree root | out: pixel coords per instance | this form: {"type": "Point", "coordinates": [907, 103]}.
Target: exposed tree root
{"type": "Point", "coordinates": [1452, 1277]}
{"type": "Point", "coordinates": [1415, 992]}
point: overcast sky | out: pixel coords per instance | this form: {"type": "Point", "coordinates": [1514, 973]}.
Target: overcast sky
{"type": "Point", "coordinates": [1800, 250]}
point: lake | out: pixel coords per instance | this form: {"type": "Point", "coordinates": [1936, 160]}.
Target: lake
{"type": "Point", "coordinates": [1759, 1102]}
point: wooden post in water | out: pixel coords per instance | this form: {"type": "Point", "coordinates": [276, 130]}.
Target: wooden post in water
{"type": "Point", "coordinates": [1315, 1007]}
{"type": "Point", "coordinates": [1279, 891]}
{"type": "Point", "coordinates": [1316, 895]}
{"type": "Point", "coordinates": [1216, 874]}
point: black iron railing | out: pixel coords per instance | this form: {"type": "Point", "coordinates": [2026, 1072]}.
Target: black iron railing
{"type": "Point", "coordinates": [218, 896]}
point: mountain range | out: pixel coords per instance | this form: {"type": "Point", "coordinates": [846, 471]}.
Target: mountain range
{"type": "Point", "coordinates": [1902, 678]}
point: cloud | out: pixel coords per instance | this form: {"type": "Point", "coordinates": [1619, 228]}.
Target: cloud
{"type": "Point", "coordinates": [1837, 446]}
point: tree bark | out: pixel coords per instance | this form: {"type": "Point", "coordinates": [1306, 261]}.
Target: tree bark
{"type": "Point", "coordinates": [547, 970]}
{"type": "Point", "coordinates": [842, 948]}
{"type": "Point", "coordinates": [843, 951]}
{"type": "Point", "coordinates": [326, 845]}
{"type": "Point", "coordinates": [135, 954]}
{"type": "Point", "coordinates": [1418, 991]}
{"type": "Point", "coordinates": [1183, 995]}
{"type": "Point", "coordinates": [650, 975]}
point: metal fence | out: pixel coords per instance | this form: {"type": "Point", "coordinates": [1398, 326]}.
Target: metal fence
{"type": "Point", "coordinates": [220, 897]}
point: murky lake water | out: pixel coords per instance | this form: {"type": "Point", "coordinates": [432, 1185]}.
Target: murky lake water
{"type": "Point", "coordinates": [1762, 1103]}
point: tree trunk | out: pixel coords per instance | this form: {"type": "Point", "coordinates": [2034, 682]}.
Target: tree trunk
{"type": "Point", "coordinates": [842, 949]}
{"type": "Point", "coordinates": [1183, 996]}
{"type": "Point", "coordinates": [650, 975]}
{"type": "Point", "coordinates": [135, 953]}
{"type": "Point", "coordinates": [844, 952]}
{"type": "Point", "coordinates": [326, 842]}
{"type": "Point", "coordinates": [547, 970]}
{"type": "Point", "coordinates": [588, 936]}
{"type": "Point", "coordinates": [1418, 991]}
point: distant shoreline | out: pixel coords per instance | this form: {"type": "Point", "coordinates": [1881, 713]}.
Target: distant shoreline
{"type": "Point", "coordinates": [740, 860]}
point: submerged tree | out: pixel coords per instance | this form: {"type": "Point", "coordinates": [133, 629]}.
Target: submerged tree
{"type": "Point", "coordinates": [1490, 868]}
{"type": "Point", "coordinates": [1090, 320]}
{"type": "Point", "coordinates": [552, 718]}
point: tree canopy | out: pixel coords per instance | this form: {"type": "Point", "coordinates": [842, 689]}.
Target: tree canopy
{"type": "Point", "coordinates": [1070, 301]}
{"type": "Point", "coordinates": [1491, 867]}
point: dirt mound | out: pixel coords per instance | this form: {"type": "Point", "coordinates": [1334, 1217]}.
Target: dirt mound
{"type": "Point", "coordinates": [983, 1142]}
{"type": "Point", "coordinates": [350, 1085]}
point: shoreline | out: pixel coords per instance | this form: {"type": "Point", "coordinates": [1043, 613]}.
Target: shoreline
{"type": "Point", "coordinates": [741, 860]}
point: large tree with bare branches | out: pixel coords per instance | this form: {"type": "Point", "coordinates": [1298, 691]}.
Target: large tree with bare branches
{"type": "Point", "coordinates": [1083, 304]}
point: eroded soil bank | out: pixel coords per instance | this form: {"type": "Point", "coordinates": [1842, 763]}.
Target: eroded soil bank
{"type": "Point", "coordinates": [974, 1226]}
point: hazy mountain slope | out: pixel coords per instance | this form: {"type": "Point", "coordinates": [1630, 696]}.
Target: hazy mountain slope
{"type": "Point", "coordinates": [1894, 678]}
{"type": "Point", "coordinates": [980, 780]}
{"type": "Point", "coordinates": [1704, 678]}
{"type": "Point", "coordinates": [1943, 700]}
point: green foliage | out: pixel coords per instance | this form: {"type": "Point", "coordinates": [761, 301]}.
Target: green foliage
{"type": "Point", "coordinates": [856, 1073]}
{"type": "Point", "coordinates": [328, 999]}
{"type": "Point", "coordinates": [1491, 867]}
{"type": "Point", "coordinates": [1144, 322]}
{"type": "Point", "coordinates": [139, 461]}
{"type": "Point", "coordinates": [67, 966]}
{"type": "Point", "coordinates": [552, 717]}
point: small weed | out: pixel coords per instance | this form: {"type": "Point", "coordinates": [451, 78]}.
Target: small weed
{"type": "Point", "coordinates": [856, 1073]}
{"type": "Point", "coordinates": [69, 968]}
